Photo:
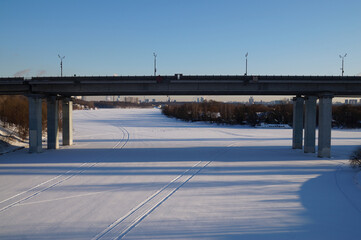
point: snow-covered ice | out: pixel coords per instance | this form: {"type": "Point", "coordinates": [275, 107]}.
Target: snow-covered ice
{"type": "Point", "coordinates": [136, 174]}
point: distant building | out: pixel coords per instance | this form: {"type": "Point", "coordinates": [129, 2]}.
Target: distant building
{"type": "Point", "coordinates": [131, 100]}
{"type": "Point", "coordinates": [351, 101]}
{"type": "Point", "coordinates": [200, 100]}
{"type": "Point", "coordinates": [278, 102]}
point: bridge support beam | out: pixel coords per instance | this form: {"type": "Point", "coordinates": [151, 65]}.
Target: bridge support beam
{"type": "Point", "coordinates": [297, 122]}
{"type": "Point", "coordinates": [52, 122]}
{"type": "Point", "coordinates": [35, 125]}
{"type": "Point", "coordinates": [310, 124]}
{"type": "Point", "coordinates": [324, 126]}
{"type": "Point", "coordinates": [67, 122]}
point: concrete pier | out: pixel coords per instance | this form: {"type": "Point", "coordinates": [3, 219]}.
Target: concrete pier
{"type": "Point", "coordinates": [67, 121]}
{"type": "Point", "coordinates": [324, 126]}
{"type": "Point", "coordinates": [310, 124]}
{"type": "Point", "coordinates": [297, 122]}
{"type": "Point", "coordinates": [52, 123]}
{"type": "Point", "coordinates": [35, 125]}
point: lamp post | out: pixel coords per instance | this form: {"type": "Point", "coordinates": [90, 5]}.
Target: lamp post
{"type": "Point", "coordinates": [246, 63]}
{"type": "Point", "coordinates": [155, 64]}
{"type": "Point", "coordinates": [61, 64]}
{"type": "Point", "coordinates": [343, 59]}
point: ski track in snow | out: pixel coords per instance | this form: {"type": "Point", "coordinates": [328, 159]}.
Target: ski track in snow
{"type": "Point", "coordinates": [126, 223]}
{"type": "Point", "coordinates": [46, 185]}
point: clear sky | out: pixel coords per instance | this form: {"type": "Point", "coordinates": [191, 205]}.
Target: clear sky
{"type": "Point", "coordinates": [288, 37]}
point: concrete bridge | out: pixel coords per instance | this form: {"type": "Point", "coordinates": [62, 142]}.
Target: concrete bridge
{"type": "Point", "coordinates": [306, 89]}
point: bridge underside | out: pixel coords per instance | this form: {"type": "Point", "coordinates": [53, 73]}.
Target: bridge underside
{"type": "Point", "coordinates": [307, 90]}
{"type": "Point", "coordinates": [301, 125]}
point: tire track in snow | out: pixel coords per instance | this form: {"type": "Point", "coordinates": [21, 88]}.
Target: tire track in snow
{"type": "Point", "coordinates": [126, 223]}
{"type": "Point", "coordinates": [46, 185]}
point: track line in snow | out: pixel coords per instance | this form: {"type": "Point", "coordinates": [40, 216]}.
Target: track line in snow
{"type": "Point", "coordinates": [340, 166]}
{"type": "Point", "coordinates": [122, 225]}
{"type": "Point", "coordinates": [44, 186]}
{"type": "Point", "coordinates": [126, 223]}
{"type": "Point", "coordinates": [16, 199]}
{"type": "Point", "coordinates": [338, 179]}
{"type": "Point", "coordinates": [356, 180]}
{"type": "Point", "coordinates": [64, 198]}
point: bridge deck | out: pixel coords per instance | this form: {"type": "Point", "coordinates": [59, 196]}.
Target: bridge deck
{"type": "Point", "coordinates": [184, 85]}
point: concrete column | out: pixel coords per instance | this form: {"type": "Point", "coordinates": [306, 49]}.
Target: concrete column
{"type": "Point", "coordinates": [310, 124]}
{"type": "Point", "coordinates": [67, 122]}
{"type": "Point", "coordinates": [52, 121]}
{"type": "Point", "coordinates": [35, 133]}
{"type": "Point", "coordinates": [324, 126]}
{"type": "Point", "coordinates": [297, 122]}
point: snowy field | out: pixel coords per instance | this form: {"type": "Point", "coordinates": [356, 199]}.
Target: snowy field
{"type": "Point", "coordinates": [136, 174]}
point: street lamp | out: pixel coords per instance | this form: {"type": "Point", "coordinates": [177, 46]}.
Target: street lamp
{"type": "Point", "coordinates": [343, 59]}
{"type": "Point", "coordinates": [155, 64]}
{"type": "Point", "coordinates": [246, 63]}
{"type": "Point", "coordinates": [61, 64]}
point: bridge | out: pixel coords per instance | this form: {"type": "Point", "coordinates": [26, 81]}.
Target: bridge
{"type": "Point", "coordinates": [306, 89]}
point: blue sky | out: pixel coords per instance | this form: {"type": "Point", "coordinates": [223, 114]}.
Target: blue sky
{"type": "Point", "coordinates": [106, 37]}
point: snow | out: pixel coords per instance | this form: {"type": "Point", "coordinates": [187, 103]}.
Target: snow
{"type": "Point", "coordinates": [136, 174]}
{"type": "Point", "coordinates": [9, 139]}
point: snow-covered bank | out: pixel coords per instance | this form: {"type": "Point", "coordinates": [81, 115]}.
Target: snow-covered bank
{"type": "Point", "coordinates": [136, 174]}
{"type": "Point", "coordinates": [9, 140]}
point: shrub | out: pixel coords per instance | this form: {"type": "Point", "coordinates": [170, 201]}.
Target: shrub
{"type": "Point", "coordinates": [355, 159]}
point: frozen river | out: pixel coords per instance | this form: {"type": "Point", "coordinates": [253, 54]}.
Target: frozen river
{"type": "Point", "coordinates": [136, 174]}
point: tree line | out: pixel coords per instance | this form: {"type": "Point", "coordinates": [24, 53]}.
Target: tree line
{"type": "Point", "coordinates": [344, 116]}
{"type": "Point", "coordinates": [113, 104]}
{"type": "Point", "coordinates": [231, 113]}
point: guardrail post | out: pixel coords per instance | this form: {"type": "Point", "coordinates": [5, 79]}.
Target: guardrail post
{"type": "Point", "coordinates": [52, 122]}
{"type": "Point", "coordinates": [35, 125]}
{"type": "Point", "coordinates": [297, 122]}
{"type": "Point", "coordinates": [67, 121]}
{"type": "Point", "coordinates": [310, 124]}
{"type": "Point", "coordinates": [324, 126]}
